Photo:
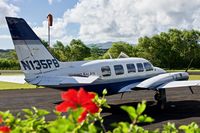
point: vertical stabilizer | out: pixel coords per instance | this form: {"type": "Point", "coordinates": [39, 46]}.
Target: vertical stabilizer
{"type": "Point", "coordinates": [33, 56]}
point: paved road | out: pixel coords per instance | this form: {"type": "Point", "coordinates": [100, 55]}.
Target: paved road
{"type": "Point", "coordinates": [182, 107]}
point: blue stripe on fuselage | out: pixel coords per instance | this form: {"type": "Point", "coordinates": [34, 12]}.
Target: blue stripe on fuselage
{"type": "Point", "coordinates": [112, 88]}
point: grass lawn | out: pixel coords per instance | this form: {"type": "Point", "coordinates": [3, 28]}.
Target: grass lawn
{"type": "Point", "coordinates": [196, 70]}
{"type": "Point", "coordinates": [7, 86]}
{"type": "Point", "coordinates": [194, 77]}
{"type": "Point", "coordinates": [10, 72]}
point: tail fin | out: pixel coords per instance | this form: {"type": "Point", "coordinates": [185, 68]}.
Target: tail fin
{"type": "Point", "coordinates": [33, 56]}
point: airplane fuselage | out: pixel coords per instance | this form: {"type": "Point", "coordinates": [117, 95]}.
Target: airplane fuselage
{"type": "Point", "coordinates": [116, 75]}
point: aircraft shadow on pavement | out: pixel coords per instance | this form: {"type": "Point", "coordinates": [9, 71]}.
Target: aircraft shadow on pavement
{"type": "Point", "coordinates": [174, 110]}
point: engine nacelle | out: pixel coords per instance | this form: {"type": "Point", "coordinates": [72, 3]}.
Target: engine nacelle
{"type": "Point", "coordinates": [155, 82]}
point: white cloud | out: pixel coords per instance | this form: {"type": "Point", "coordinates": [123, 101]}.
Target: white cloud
{"type": "Point", "coordinates": [7, 9]}
{"type": "Point", "coordinates": [119, 20]}
{"type": "Point", "coordinates": [57, 30]}
{"type": "Point", "coordinates": [51, 1]}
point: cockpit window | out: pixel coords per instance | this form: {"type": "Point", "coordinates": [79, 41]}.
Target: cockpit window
{"type": "Point", "coordinates": [130, 68]}
{"type": "Point", "coordinates": [119, 69]}
{"type": "Point", "coordinates": [140, 67]}
{"type": "Point", "coordinates": [148, 66]}
{"type": "Point", "coordinates": [106, 71]}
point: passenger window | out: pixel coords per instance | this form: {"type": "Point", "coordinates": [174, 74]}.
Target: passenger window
{"type": "Point", "coordinates": [130, 68]}
{"type": "Point", "coordinates": [140, 67]}
{"type": "Point", "coordinates": [148, 66]}
{"type": "Point", "coordinates": [106, 71]}
{"type": "Point", "coordinates": [119, 69]}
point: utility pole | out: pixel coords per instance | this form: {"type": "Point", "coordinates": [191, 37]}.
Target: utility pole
{"type": "Point", "coordinates": [50, 23]}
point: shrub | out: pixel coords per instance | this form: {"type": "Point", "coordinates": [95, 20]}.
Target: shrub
{"type": "Point", "coordinates": [84, 115]}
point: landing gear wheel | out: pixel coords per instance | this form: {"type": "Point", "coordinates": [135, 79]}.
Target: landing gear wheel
{"type": "Point", "coordinates": [161, 99]}
{"type": "Point", "coordinates": [157, 96]}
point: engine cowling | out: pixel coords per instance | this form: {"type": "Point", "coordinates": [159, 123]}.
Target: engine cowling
{"type": "Point", "coordinates": [156, 81]}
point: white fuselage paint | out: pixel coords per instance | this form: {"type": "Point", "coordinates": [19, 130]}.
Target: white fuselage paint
{"type": "Point", "coordinates": [35, 60]}
{"type": "Point", "coordinates": [88, 68]}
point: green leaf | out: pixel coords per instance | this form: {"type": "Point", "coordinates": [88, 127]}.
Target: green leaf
{"type": "Point", "coordinates": [74, 114]}
{"type": "Point", "coordinates": [141, 107]}
{"type": "Point", "coordinates": [28, 112]}
{"type": "Point", "coordinates": [124, 127]}
{"type": "Point", "coordinates": [42, 112]}
{"type": "Point", "coordinates": [170, 128]}
{"type": "Point", "coordinates": [149, 120]}
{"type": "Point", "coordinates": [117, 130]}
{"type": "Point", "coordinates": [101, 102]}
{"type": "Point", "coordinates": [191, 128]}
{"type": "Point", "coordinates": [131, 112]}
{"type": "Point", "coordinates": [183, 127]}
{"type": "Point", "coordinates": [92, 128]}
{"type": "Point", "coordinates": [61, 126]}
{"type": "Point", "coordinates": [145, 118]}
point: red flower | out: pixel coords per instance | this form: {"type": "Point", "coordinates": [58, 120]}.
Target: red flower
{"type": "Point", "coordinates": [74, 99]}
{"type": "Point", "coordinates": [82, 116]}
{"type": "Point", "coordinates": [1, 120]}
{"type": "Point", "coordinates": [4, 129]}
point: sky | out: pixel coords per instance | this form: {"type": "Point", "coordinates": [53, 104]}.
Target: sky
{"type": "Point", "coordinates": [98, 21]}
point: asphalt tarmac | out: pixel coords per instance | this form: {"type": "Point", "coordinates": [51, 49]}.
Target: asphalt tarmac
{"type": "Point", "coordinates": [182, 107]}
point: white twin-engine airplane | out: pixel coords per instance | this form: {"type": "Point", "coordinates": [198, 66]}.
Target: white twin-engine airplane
{"type": "Point", "coordinates": [116, 75]}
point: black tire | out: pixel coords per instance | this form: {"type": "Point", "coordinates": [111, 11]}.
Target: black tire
{"type": "Point", "coordinates": [161, 99]}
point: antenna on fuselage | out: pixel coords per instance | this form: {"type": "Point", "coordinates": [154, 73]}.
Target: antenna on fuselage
{"type": "Point", "coordinates": [123, 55]}
{"type": "Point", "coordinates": [110, 55]}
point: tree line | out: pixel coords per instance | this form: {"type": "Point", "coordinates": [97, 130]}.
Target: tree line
{"type": "Point", "coordinates": [174, 49]}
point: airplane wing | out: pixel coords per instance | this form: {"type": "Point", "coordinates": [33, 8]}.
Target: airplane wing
{"type": "Point", "coordinates": [49, 80]}
{"type": "Point", "coordinates": [164, 81]}
{"type": "Point", "coordinates": [177, 84]}
{"type": "Point", "coordinates": [168, 80]}
{"type": "Point", "coordinates": [62, 80]}
{"type": "Point", "coordinates": [14, 79]}
{"type": "Point", "coordinates": [128, 87]}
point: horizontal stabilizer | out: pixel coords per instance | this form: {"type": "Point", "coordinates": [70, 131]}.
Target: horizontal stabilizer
{"type": "Point", "coordinates": [13, 79]}
{"type": "Point", "coordinates": [62, 80]}
{"type": "Point", "coordinates": [177, 84]}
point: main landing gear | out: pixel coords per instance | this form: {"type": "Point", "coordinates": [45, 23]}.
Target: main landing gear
{"type": "Point", "coordinates": [161, 99]}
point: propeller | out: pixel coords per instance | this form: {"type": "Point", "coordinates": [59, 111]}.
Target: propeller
{"type": "Point", "coordinates": [189, 64]}
{"type": "Point", "coordinates": [187, 70]}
